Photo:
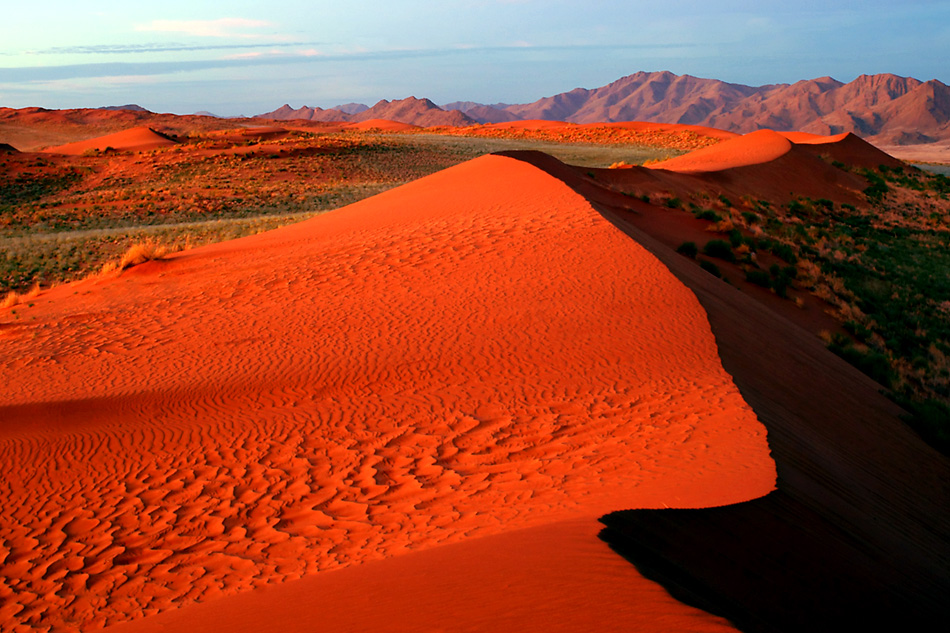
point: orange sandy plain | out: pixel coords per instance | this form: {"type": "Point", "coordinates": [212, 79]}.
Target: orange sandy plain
{"type": "Point", "coordinates": [403, 415]}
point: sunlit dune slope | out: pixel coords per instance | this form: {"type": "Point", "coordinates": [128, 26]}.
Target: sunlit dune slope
{"type": "Point", "coordinates": [472, 353]}
{"type": "Point", "coordinates": [556, 578]}
{"type": "Point", "coordinates": [751, 149]}
{"type": "Point", "coordinates": [134, 139]}
{"type": "Point", "coordinates": [380, 124]}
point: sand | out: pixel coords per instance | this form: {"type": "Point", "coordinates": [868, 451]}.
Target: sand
{"type": "Point", "coordinates": [136, 139]}
{"type": "Point", "coordinates": [384, 125]}
{"type": "Point", "coordinates": [473, 354]}
{"type": "Point", "coordinates": [754, 148]}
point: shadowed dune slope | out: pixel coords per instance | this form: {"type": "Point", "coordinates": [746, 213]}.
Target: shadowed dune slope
{"type": "Point", "coordinates": [855, 536]}
{"type": "Point", "coordinates": [476, 352]}
{"type": "Point", "coordinates": [135, 139]}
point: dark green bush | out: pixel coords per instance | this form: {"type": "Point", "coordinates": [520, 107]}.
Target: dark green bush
{"type": "Point", "coordinates": [689, 249]}
{"type": "Point", "coordinates": [709, 214]}
{"type": "Point", "coordinates": [710, 267]}
{"type": "Point", "coordinates": [719, 249]}
{"type": "Point", "coordinates": [759, 278]}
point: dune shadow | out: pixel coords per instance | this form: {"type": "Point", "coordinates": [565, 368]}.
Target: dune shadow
{"type": "Point", "coordinates": [857, 533]}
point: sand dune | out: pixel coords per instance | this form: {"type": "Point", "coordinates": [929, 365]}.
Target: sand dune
{"type": "Point", "coordinates": [750, 149]}
{"type": "Point", "coordinates": [473, 353]}
{"type": "Point", "coordinates": [135, 139]}
{"type": "Point", "coordinates": [528, 124]}
{"type": "Point", "coordinates": [380, 124]}
{"type": "Point", "coordinates": [664, 127]}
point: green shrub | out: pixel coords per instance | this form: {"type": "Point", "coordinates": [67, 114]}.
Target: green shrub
{"type": "Point", "coordinates": [710, 267]}
{"type": "Point", "coordinates": [689, 249]}
{"type": "Point", "coordinates": [709, 214]}
{"type": "Point", "coordinates": [759, 278]}
{"type": "Point", "coordinates": [674, 203]}
{"type": "Point", "coordinates": [719, 249]}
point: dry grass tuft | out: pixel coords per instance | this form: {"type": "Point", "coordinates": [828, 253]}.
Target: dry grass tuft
{"type": "Point", "coordinates": [138, 253]}
{"type": "Point", "coordinates": [12, 298]}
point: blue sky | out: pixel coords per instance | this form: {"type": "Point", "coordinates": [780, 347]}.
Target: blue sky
{"type": "Point", "coordinates": [245, 57]}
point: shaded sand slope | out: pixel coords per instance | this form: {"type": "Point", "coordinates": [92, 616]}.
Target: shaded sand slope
{"type": "Point", "coordinates": [856, 534]}
{"type": "Point", "coordinates": [475, 352]}
{"type": "Point", "coordinates": [136, 139]}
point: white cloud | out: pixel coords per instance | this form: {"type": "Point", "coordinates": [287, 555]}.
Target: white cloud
{"type": "Point", "coordinates": [222, 27]}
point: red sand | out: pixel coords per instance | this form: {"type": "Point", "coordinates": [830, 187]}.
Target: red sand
{"type": "Point", "coordinates": [528, 124]}
{"type": "Point", "coordinates": [804, 138]}
{"type": "Point", "coordinates": [137, 139]}
{"type": "Point", "coordinates": [473, 353]}
{"type": "Point", "coordinates": [750, 149]}
{"type": "Point", "coordinates": [647, 126]}
{"type": "Point", "coordinates": [380, 124]}
{"type": "Point", "coordinates": [552, 578]}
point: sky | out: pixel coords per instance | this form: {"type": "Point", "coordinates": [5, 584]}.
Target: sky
{"type": "Point", "coordinates": [244, 57]}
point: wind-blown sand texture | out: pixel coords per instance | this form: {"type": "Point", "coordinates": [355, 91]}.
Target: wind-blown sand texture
{"type": "Point", "coordinates": [136, 139]}
{"type": "Point", "coordinates": [474, 353]}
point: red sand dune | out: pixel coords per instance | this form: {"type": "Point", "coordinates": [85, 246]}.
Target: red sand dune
{"type": "Point", "coordinates": [557, 578]}
{"type": "Point", "coordinates": [137, 139]}
{"type": "Point", "coordinates": [805, 138]}
{"type": "Point", "coordinates": [664, 127]}
{"type": "Point", "coordinates": [380, 124]}
{"type": "Point", "coordinates": [750, 149]}
{"type": "Point", "coordinates": [476, 352]}
{"type": "Point", "coordinates": [528, 124]}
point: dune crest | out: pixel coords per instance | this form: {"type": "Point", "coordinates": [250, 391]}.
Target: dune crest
{"type": "Point", "coordinates": [750, 149]}
{"type": "Point", "coordinates": [136, 139]}
{"type": "Point", "coordinates": [475, 352]}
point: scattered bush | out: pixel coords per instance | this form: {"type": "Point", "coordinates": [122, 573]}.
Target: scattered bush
{"type": "Point", "coordinates": [759, 278]}
{"type": "Point", "coordinates": [709, 214]}
{"type": "Point", "coordinates": [710, 268]}
{"type": "Point", "coordinates": [719, 249]}
{"type": "Point", "coordinates": [689, 249]}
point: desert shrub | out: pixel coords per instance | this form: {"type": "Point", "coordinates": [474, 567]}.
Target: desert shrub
{"type": "Point", "coordinates": [870, 362]}
{"type": "Point", "coordinates": [736, 238]}
{"type": "Point", "coordinates": [759, 278]}
{"type": "Point", "coordinates": [750, 217]}
{"type": "Point", "coordinates": [689, 249]}
{"type": "Point", "coordinates": [726, 202]}
{"type": "Point", "coordinates": [784, 252]}
{"type": "Point", "coordinates": [709, 214]}
{"type": "Point", "coordinates": [930, 418]}
{"type": "Point", "coordinates": [824, 202]}
{"type": "Point", "coordinates": [719, 249]}
{"type": "Point", "coordinates": [674, 203]}
{"type": "Point", "coordinates": [710, 268]}
{"type": "Point", "coordinates": [877, 188]}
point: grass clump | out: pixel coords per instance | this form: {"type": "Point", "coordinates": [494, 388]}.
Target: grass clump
{"type": "Point", "coordinates": [138, 253]}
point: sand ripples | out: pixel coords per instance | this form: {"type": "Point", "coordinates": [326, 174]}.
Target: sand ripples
{"type": "Point", "coordinates": [472, 353]}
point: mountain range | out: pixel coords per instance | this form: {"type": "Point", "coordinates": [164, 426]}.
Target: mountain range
{"type": "Point", "coordinates": [887, 108]}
